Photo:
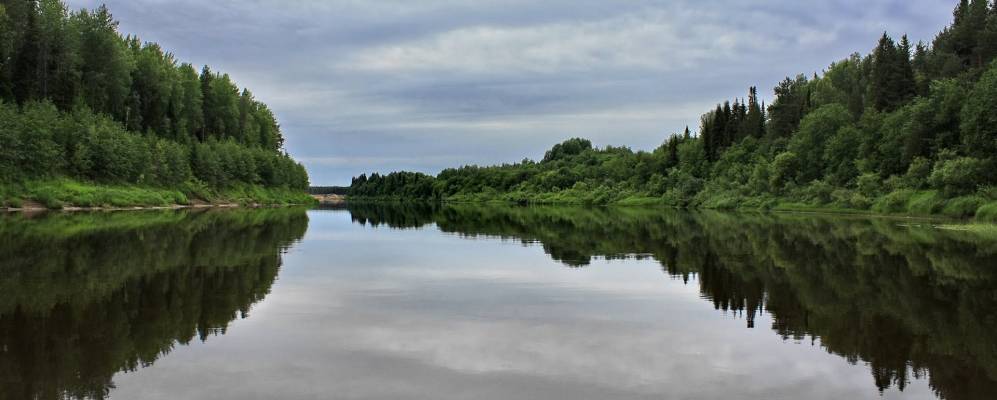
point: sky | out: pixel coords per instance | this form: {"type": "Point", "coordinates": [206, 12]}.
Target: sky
{"type": "Point", "coordinates": [363, 86]}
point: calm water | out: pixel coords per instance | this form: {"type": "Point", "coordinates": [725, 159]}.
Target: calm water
{"type": "Point", "coordinates": [420, 302]}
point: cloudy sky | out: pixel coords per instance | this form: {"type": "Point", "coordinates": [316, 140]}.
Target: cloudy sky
{"type": "Point", "coordinates": [365, 85]}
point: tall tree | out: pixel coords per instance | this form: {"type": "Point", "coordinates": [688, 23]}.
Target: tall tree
{"type": "Point", "coordinates": [892, 75]}
{"type": "Point", "coordinates": [106, 63]}
{"type": "Point", "coordinates": [207, 102]}
{"type": "Point", "coordinates": [7, 33]}
{"type": "Point", "coordinates": [188, 105]}
{"type": "Point", "coordinates": [791, 103]}
{"type": "Point", "coordinates": [754, 120]}
{"type": "Point", "coordinates": [24, 82]}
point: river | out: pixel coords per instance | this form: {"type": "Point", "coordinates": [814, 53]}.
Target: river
{"type": "Point", "coordinates": [493, 302]}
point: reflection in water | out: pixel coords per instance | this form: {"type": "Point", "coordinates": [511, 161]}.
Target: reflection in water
{"type": "Point", "coordinates": [86, 296]}
{"type": "Point", "coordinates": [911, 302]}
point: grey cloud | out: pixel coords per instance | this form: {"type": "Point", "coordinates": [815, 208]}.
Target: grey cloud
{"type": "Point", "coordinates": [435, 83]}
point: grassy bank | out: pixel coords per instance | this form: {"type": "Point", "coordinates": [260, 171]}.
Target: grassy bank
{"type": "Point", "coordinates": [68, 193]}
{"type": "Point", "coordinates": [980, 207]}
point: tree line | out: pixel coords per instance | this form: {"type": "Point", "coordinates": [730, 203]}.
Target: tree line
{"type": "Point", "coordinates": [905, 128]}
{"type": "Point", "coordinates": [81, 100]}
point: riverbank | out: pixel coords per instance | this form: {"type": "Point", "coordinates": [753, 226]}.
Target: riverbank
{"type": "Point", "coordinates": [72, 195]}
{"type": "Point", "coordinates": [906, 204]}
{"type": "Point", "coordinates": [329, 199]}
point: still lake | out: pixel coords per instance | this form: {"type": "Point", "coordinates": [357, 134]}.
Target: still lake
{"type": "Point", "coordinates": [473, 302]}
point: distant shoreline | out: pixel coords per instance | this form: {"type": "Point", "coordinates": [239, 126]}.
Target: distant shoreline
{"type": "Point", "coordinates": [329, 199]}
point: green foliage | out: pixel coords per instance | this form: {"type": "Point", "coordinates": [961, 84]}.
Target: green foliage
{"type": "Point", "coordinates": [962, 207]}
{"type": "Point", "coordinates": [926, 203]}
{"type": "Point", "coordinates": [785, 170]}
{"type": "Point", "coordinates": [810, 143]}
{"type": "Point", "coordinates": [959, 175]}
{"type": "Point", "coordinates": [892, 80]}
{"type": "Point", "coordinates": [894, 202]}
{"type": "Point", "coordinates": [570, 147]}
{"type": "Point", "coordinates": [59, 193]}
{"type": "Point", "coordinates": [987, 212]}
{"type": "Point", "coordinates": [979, 121]}
{"type": "Point", "coordinates": [79, 100]}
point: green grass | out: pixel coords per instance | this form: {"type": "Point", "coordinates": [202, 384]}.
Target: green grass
{"type": "Point", "coordinates": [926, 203]}
{"type": "Point", "coordinates": [804, 207]}
{"type": "Point", "coordinates": [987, 212]}
{"type": "Point", "coordinates": [62, 193]}
{"type": "Point", "coordinates": [639, 201]}
{"type": "Point", "coordinates": [962, 207]}
{"type": "Point", "coordinates": [904, 202]}
{"type": "Point", "coordinates": [894, 203]}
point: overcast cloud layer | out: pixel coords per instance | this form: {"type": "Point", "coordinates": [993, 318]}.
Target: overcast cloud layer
{"type": "Point", "coordinates": [362, 86]}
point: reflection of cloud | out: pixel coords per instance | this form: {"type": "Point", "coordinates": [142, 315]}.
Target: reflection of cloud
{"type": "Point", "coordinates": [431, 316]}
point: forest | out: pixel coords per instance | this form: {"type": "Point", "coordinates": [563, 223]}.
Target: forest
{"type": "Point", "coordinates": [908, 128]}
{"type": "Point", "coordinates": [89, 115]}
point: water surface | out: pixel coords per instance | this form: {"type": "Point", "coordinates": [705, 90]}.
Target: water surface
{"type": "Point", "coordinates": [428, 302]}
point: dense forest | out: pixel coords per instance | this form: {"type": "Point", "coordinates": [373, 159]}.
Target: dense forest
{"type": "Point", "coordinates": [908, 128]}
{"type": "Point", "coordinates": [80, 101]}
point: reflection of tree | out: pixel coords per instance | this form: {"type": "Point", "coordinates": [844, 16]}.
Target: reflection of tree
{"type": "Point", "coordinates": [86, 296]}
{"type": "Point", "coordinates": [905, 300]}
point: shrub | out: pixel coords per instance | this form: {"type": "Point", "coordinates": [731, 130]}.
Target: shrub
{"type": "Point", "coordinates": [957, 176]}
{"type": "Point", "coordinates": [895, 202]}
{"type": "Point", "coordinates": [987, 212]}
{"type": "Point", "coordinates": [49, 199]}
{"type": "Point", "coordinates": [817, 192]}
{"type": "Point", "coordinates": [785, 169]}
{"type": "Point", "coordinates": [859, 202]}
{"type": "Point", "coordinates": [918, 173]}
{"type": "Point", "coordinates": [962, 207]}
{"type": "Point", "coordinates": [870, 185]}
{"type": "Point", "coordinates": [926, 203]}
{"type": "Point", "coordinates": [850, 199]}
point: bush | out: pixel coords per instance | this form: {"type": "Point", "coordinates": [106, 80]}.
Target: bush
{"type": "Point", "coordinates": [926, 203]}
{"type": "Point", "coordinates": [870, 185]}
{"type": "Point", "coordinates": [918, 173]}
{"type": "Point", "coordinates": [987, 212]}
{"type": "Point", "coordinates": [895, 202]}
{"type": "Point", "coordinates": [817, 193]}
{"type": "Point", "coordinates": [785, 169]}
{"type": "Point", "coordinates": [962, 207]}
{"type": "Point", "coordinates": [958, 176]}
{"type": "Point", "coordinates": [845, 198]}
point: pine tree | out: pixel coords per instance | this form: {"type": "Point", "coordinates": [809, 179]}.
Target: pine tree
{"type": "Point", "coordinates": [906, 84]}
{"type": "Point", "coordinates": [106, 64]}
{"type": "Point", "coordinates": [754, 123]}
{"type": "Point", "coordinates": [207, 103]}
{"type": "Point", "coordinates": [25, 74]}
{"type": "Point", "coordinates": [975, 26]}
{"type": "Point", "coordinates": [987, 42]}
{"type": "Point", "coordinates": [6, 52]}
{"type": "Point", "coordinates": [892, 75]}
